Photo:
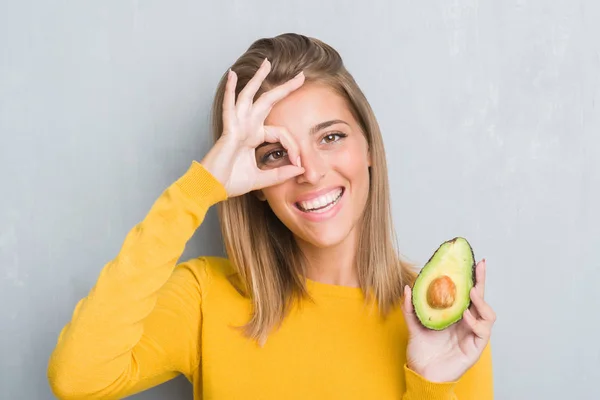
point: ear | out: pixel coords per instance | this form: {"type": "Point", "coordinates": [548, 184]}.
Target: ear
{"type": "Point", "coordinates": [259, 195]}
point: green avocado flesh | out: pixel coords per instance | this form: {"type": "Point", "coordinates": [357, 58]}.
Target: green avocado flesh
{"type": "Point", "coordinates": [440, 293]}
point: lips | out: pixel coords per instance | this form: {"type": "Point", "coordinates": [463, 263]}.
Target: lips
{"type": "Point", "coordinates": [321, 203]}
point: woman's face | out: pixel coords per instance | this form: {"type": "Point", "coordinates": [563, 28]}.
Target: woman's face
{"type": "Point", "coordinates": [322, 206]}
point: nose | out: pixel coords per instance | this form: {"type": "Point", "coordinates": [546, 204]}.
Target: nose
{"type": "Point", "coordinates": [315, 166]}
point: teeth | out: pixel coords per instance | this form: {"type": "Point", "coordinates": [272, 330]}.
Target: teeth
{"type": "Point", "coordinates": [321, 202]}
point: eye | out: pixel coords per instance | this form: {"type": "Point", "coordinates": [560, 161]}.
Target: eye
{"type": "Point", "coordinates": [274, 156]}
{"type": "Point", "coordinates": [333, 137]}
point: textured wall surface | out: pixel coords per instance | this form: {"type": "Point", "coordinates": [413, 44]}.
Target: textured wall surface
{"type": "Point", "coordinates": [489, 111]}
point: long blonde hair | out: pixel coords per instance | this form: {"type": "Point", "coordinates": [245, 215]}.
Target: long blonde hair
{"type": "Point", "coordinates": [263, 251]}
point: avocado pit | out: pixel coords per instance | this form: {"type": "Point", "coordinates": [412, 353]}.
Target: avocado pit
{"type": "Point", "coordinates": [441, 293]}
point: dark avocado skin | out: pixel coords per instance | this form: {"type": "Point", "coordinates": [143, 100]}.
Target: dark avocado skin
{"type": "Point", "coordinates": [428, 261]}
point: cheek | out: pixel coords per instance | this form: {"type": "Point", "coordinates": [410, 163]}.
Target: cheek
{"type": "Point", "coordinates": [275, 196]}
{"type": "Point", "coordinates": [354, 164]}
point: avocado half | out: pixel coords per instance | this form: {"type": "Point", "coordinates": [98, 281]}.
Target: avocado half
{"type": "Point", "coordinates": [440, 294]}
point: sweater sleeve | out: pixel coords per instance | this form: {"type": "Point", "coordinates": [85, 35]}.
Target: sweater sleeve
{"type": "Point", "coordinates": [139, 325]}
{"type": "Point", "coordinates": [475, 384]}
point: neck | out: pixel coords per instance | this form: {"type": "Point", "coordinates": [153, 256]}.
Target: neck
{"type": "Point", "coordinates": [332, 265]}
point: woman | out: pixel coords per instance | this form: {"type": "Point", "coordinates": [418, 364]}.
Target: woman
{"type": "Point", "coordinates": [312, 300]}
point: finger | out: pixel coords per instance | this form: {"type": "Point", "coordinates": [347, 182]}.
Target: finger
{"type": "Point", "coordinates": [479, 284]}
{"type": "Point", "coordinates": [480, 277]}
{"type": "Point", "coordinates": [473, 310]}
{"type": "Point", "coordinates": [478, 328]}
{"type": "Point", "coordinates": [276, 176]}
{"type": "Point", "coordinates": [276, 134]}
{"type": "Point", "coordinates": [247, 94]}
{"type": "Point", "coordinates": [484, 310]}
{"type": "Point", "coordinates": [229, 99]}
{"type": "Point", "coordinates": [267, 100]}
{"type": "Point", "coordinates": [410, 317]}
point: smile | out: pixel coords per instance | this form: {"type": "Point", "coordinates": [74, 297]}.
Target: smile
{"type": "Point", "coordinates": [322, 203]}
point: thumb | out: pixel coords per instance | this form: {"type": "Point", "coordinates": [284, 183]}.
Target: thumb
{"type": "Point", "coordinates": [409, 314]}
{"type": "Point", "coordinates": [276, 176]}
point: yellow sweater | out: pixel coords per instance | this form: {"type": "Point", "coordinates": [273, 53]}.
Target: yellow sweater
{"type": "Point", "coordinates": [149, 318]}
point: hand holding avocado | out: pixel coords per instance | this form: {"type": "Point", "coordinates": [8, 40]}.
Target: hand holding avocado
{"type": "Point", "coordinates": [449, 322]}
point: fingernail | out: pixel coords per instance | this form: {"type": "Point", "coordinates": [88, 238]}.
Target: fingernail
{"type": "Point", "coordinates": [298, 162]}
{"type": "Point", "coordinates": [264, 61]}
{"type": "Point", "coordinates": [299, 74]}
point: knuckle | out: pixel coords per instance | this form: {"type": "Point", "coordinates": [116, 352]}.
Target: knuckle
{"type": "Point", "coordinates": [267, 97]}
{"type": "Point", "coordinates": [285, 133]}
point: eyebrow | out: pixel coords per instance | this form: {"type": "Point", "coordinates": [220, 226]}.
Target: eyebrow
{"type": "Point", "coordinates": [326, 124]}
{"type": "Point", "coordinates": [313, 130]}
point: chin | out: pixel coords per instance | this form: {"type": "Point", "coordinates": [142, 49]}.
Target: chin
{"type": "Point", "coordinates": [326, 238]}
